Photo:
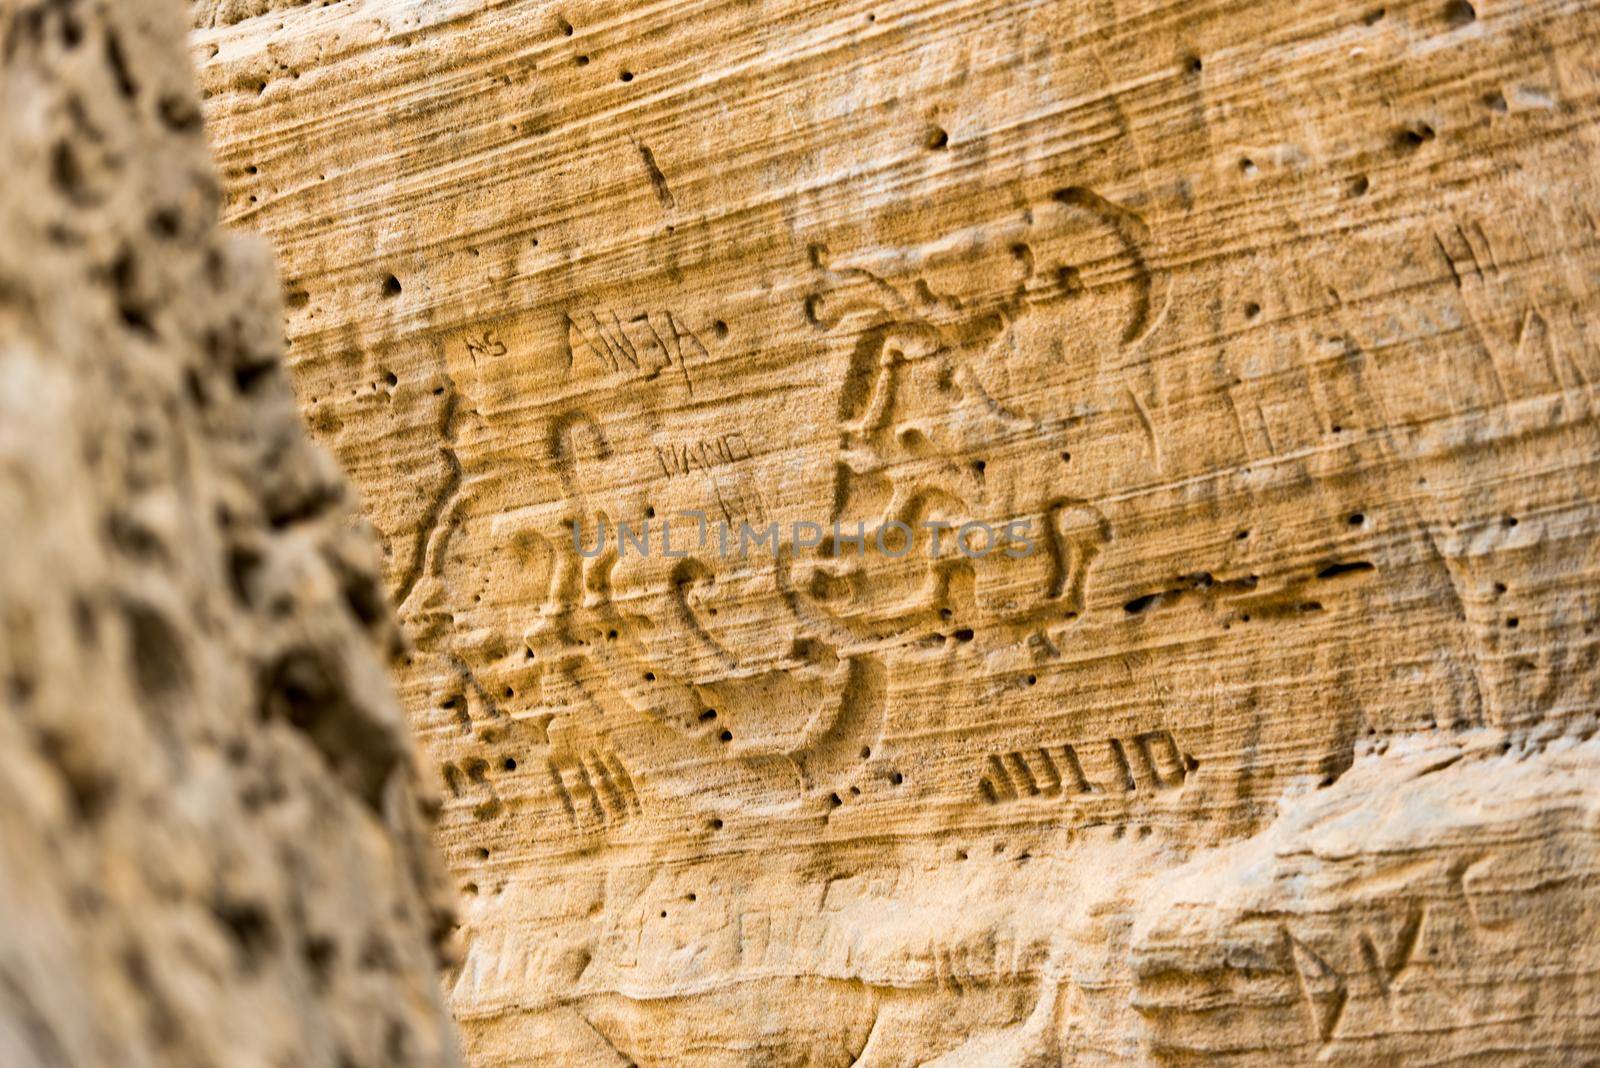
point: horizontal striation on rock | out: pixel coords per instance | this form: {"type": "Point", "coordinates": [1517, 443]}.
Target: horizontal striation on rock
{"type": "Point", "coordinates": [1272, 326]}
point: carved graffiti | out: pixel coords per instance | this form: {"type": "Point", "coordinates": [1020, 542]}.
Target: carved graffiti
{"type": "Point", "coordinates": [641, 344]}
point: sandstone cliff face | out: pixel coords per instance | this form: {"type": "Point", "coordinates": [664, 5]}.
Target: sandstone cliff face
{"type": "Point", "coordinates": [1274, 324]}
{"type": "Point", "coordinates": [211, 851]}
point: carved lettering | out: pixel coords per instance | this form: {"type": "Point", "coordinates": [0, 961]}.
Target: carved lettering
{"type": "Point", "coordinates": [1145, 763]}
{"type": "Point", "coordinates": [640, 344]}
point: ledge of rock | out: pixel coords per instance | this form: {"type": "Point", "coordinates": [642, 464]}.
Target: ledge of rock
{"type": "Point", "coordinates": [1271, 327]}
{"type": "Point", "coordinates": [215, 847]}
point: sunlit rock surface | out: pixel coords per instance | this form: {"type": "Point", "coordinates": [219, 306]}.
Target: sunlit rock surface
{"type": "Point", "coordinates": [1272, 325]}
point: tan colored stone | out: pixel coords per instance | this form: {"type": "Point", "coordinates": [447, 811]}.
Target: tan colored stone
{"type": "Point", "coordinates": [1275, 322]}
{"type": "Point", "coordinates": [211, 852]}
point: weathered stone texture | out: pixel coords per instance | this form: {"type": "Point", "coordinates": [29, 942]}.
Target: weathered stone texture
{"type": "Point", "coordinates": [212, 852]}
{"type": "Point", "coordinates": [1278, 324]}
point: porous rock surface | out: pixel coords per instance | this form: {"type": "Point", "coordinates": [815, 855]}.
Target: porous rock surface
{"type": "Point", "coordinates": [1276, 324]}
{"type": "Point", "coordinates": [211, 849]}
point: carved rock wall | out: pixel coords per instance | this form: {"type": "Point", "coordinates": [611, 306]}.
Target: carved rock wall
{"type": "Point", "coordinates": [1273, 324]}
{"type": "Point", "coordinates": [212, 851]}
